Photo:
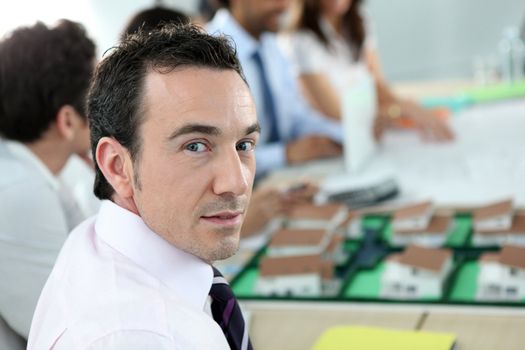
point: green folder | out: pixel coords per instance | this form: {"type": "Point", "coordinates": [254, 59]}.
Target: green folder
{"type": "Point", "coordinates": [477, 95]}
{"type": "Point", "coordinates": [371, 338]}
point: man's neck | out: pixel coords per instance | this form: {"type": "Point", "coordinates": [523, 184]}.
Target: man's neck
{"type": "Point", "coordinates": [53, 154]}
{"type": "Point", "coordinates": [250, 28]}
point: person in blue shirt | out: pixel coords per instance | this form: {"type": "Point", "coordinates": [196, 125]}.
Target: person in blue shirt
{"type": "Point", "coordinates": [292, 132]}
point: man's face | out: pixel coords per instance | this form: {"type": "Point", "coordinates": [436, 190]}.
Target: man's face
{"type": "Point", "coordinates": [195, 170]}
{"type": "Point", "coordinates": [260, 15]}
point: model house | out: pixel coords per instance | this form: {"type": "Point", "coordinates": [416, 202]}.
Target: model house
{"type": "Point", "coordinates": [433, 235]}
{"type": "Point", "coordinates": [416, 273]}
{"type": "Point", "coordinates": [502, 275]}
{"type": "Point", "coordinates": [514, 235]}
{"type": "Point", "coordinates": [304, 276]}
{"type": "Point", "coordinates": [413, 217]}
{"type": "Point", "coordinates": [321, 217]}
{"type": "Point", "coordinates": [287, 242]}
{"type": "Point", "coordinates": [495, 216]}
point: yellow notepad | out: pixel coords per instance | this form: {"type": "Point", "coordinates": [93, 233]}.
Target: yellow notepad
{"type": "Point", "coordinates": [370, 338]}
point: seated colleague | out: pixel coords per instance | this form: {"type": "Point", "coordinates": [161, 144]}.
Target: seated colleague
{"type": "Point", "coordinates": [175, 167]}
{"type": "Point", "coordinates": [154, 18]}
{"type": "Point", "coordinates": [292, 132]}
{"type": "Point", "coordinates": [331, 47]}
{"type": "Point", "coordinates": [44, 78]}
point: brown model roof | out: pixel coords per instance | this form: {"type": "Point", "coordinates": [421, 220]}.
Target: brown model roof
{"type": "Point", "coordinates": [293, 237]}
{"type": "Point", "coordinates": [513, 256]}
{"type": "Point", "coordinates": [295, 265]}
{"type": "Point", "coordinates": [518, 227]}
{"type": "Point", "coordinates": [425, 258]}
{"type": "Point", "coordinates": [493, 210]}
{"type": "Point", "coordinates": [438, 225]}
{"type": "Point", "coordinates": [412, 211]}
{"type": "Point", "coordinates": [315, 212]}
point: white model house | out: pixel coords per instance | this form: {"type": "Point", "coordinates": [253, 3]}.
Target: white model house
{"type": "Point", "coordinates": [304, 276]}
{"type": "Point", "coordinates": [433, 235]}
{"type": "Point", "coordinates": [321, 217]}
{"type": "Point", "coordinates": [514, 235]}
{"type": "Point", "coordinates": [502, 275]}
{"type": "Point", "coordinates": [413, 217]}
{"type": "Point", "coordinates": [495, 216]}
{"type": "Point", "coordinates": [416, 273]}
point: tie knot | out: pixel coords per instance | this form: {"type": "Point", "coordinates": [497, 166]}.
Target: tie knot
{"type": "Point", "coordinates": [220, 289]}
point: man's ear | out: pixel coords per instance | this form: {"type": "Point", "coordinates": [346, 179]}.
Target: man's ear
{"type": "Point", "coordinates": [65, 122]}
{"type": "Point", "coordinates": [115, 163]}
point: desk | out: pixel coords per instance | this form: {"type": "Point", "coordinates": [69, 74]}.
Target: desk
{"type": "Point", "coordinates": [291, 326]}
{"type": "Point", "coordinates": [486, 163]}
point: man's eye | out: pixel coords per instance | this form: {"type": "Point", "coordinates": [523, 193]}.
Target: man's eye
{"type": "Point", "coordinates": [196, 147]}
{"type": "Point", "coordinates": [245, 146]}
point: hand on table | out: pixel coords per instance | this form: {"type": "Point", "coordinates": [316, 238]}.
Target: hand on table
{"type": "Point", "coordinates": [311, 147]}
{"type": "Point", "coordinates": [431, 126]}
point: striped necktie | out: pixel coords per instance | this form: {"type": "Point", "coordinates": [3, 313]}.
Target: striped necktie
{"type": "Point", "coordinates": [227, 313]}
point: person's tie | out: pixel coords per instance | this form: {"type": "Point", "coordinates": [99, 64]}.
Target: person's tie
{"type": "Point", "coordinates": [268, 101]}
{"type": "Point", "coordinates": [227, 313]}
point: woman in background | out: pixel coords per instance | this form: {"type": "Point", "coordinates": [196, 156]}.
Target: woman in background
{"type": "Point", "coordinates": [332, 49]}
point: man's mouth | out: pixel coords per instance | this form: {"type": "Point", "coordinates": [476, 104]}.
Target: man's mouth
{"type": "Point", "coordinates": [224, 218]}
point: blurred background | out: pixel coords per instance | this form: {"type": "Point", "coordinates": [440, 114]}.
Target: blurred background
{"type": "Point", "coordinates": [451, 35]}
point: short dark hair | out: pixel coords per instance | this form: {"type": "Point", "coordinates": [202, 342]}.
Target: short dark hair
{"type": "Point", "coordinates": [41, 70]}
{"type": "Point", "coordinates": [353, 24]}
{"type": "Point", "coordinates": [115, 97]}
{"type": "Point", "coordinates": [154, 18]}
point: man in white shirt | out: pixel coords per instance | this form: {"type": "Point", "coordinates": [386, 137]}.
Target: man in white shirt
{"type": "Point", "coordinates": [173, 129]}
{"type": "Point", "coordinates": [44, 79]}
{"type": "Point", "coordinates": [292, 132]}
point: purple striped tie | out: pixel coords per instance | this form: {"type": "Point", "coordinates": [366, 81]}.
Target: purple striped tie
{"type": "Point", "coordinates": [227, 313]}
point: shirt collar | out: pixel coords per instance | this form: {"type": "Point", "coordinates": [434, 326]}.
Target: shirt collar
{"type": "Point", "coordinates": [224, 22]}
{"type": "Point", "coordinates": [24, 154]}
{"type": "Point", "coordinates": [186, 275]}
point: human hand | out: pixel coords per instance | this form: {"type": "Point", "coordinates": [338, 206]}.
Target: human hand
{"type": "Point", "coordinates": [302, 192]}
{"type": "Point", "coordinates": [431, 126]}
{"type": "Point", "coordinates": [311, 147]}
{"type": "Point", "coordinates": [265, 204]}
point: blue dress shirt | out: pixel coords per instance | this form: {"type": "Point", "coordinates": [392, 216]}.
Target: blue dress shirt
{"type": "Point", "coordinates": [294, 117]}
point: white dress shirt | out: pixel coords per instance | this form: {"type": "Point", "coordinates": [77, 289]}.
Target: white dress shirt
{"type": "Point", "coordinates": [35, 217]}
{"type": "Point", "coordinates": [118, 285]}
{"type": "Point", "coordinates": [335, 61]}
{"type": "Point", "coordinates": [295, 118]}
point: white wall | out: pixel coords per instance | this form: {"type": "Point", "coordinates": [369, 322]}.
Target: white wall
{"type": "Point", "coordinates": [438, 39]}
